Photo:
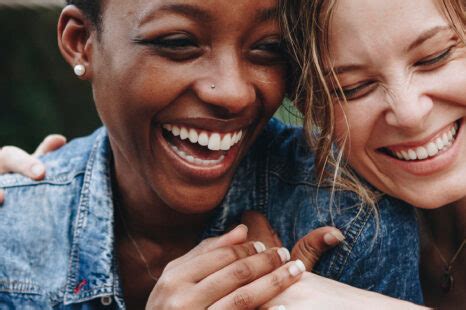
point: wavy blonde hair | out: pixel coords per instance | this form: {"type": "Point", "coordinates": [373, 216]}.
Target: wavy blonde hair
{"type": "Point", "coordinates": [305, 25]}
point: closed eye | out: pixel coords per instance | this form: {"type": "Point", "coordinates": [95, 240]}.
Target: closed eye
{"type": "Point", "coordinates": [437, 58]}
{"type": "Point", "coordinates": [177, 46]}
{"type": "Point", "coordinates": [355, 92]}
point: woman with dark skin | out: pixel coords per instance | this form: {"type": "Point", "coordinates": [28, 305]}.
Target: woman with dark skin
{"type": "Point", "coordinates": [229, 82]}
{"type": "Point", "coordinates": [225, 86]}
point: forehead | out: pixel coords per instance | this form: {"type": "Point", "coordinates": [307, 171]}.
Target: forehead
{"type": "Point", "coordinates": [361, 25]}
{"type": "Point", "coordinates": [203, 10]}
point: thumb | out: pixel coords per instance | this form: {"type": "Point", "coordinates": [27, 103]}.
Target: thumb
{"type": "Point", "coordinates": [309, 248]}
{"type": "Point", "coordinates": [260, 229]}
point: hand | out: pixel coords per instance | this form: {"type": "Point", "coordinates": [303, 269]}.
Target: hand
{"type": "Point", "coordinates": [225, 273]}
{"type": "Point", "coordinates": [308, 249]}
{"type": "Point", "coordinates": [13, 159]}
{"type": "Point", "coordinates": [316, 292]}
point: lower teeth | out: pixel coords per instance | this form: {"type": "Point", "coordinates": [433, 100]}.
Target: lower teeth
{"type": "Point", "coordinates": [197, 161]}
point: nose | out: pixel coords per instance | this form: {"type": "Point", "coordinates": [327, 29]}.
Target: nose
{"type": "Point", "coordinates": [226, 85]}
{"type": "Point", "coordinates": [409, 107]}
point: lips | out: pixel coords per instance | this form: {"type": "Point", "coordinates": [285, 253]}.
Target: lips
{"type": "Point", "coordinates": [435, 146]}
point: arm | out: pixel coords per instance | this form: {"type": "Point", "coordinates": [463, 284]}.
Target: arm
{"type": "Point", "coordinates": [316, 292]}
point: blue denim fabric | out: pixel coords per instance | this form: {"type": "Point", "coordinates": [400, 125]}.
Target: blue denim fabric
{"type": "Point", "coordinates": [57, 240]}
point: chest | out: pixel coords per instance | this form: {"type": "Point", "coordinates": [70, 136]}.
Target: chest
{"type": "Point", "coordinates": [140, 264]}
{"type": "Point", "coordinates": [443, 288]}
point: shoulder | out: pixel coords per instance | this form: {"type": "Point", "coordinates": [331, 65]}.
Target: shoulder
{"type": "Point", "coordinates": [62, 165]}
{"type": "Point", "coordinates": [381, 251]}
{"type": "Point", "coordinates": [37, 220]}
{"type": "Point", "coordinates": [287, 153]}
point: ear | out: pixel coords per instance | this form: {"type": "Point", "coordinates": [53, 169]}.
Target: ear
{"type": "Point", "coordinates": [75, 37]}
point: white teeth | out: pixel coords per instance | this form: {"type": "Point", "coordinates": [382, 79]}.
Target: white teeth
{"type": "Point", "coordinates": [176, 131]}
{"type": "Point", "coordinates": [193, 137]}
{"type": "Point", "coordinates": [439, 143]}
{"type": "Point", "coordinates": [226, 142]}
{"type": "Point", "coordinates": [214, 142]}
{"type": "Point", "coordinates": [445, 139]}
{"type": "Point", "coordinates": [405, 155]}
{"type": "Point", "coordinates": [203, 139]}
{"type": "Point", "coordinates": [197, 161]}
{"type": "Point", "coordinates": [421, 153]}
{"type": "Point", "coordinates": [431, 149]}
{"type": "Point", "coordinates": [450, 136]}
{"type": "Point", "coordinates": [184, 133]}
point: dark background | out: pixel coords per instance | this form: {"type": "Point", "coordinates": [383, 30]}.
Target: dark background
{"type": "Point", "coordinates": [39, 92]}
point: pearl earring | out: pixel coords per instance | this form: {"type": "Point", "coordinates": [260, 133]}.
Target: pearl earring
{"type": "Point", "coordinates": [79, 70]}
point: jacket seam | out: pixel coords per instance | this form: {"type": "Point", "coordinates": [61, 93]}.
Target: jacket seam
{"type": "Point", "coordinates": [53, 182]}
{"type": "Point", "coordinates": [355, 231]}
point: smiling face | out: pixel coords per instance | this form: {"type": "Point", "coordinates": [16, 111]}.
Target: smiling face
{"type": "Point", "coordinates": [184, 87]}
{"type": "Point", "coordinates": [405, 83]}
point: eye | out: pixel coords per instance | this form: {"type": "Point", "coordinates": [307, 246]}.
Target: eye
{"type": "Point", "coordinates": [268, 51]}
{"type": "Point", "coordinates": [178, 46]}
{"type": "Point", "coordinates": [435, 59]}
{"type": "Point", "coordinates": [355, 92]}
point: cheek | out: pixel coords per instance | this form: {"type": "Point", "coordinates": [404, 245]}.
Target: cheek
{"type": "Point", "coordinates": [449, 83]}
{"type": "Point", "coordinates": [356, 123]}
{"type": "Point", "coordinates": [272, 86]}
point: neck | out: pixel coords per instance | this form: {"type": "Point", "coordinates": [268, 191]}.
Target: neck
{"type": "Point", "coordinates": [448, 223]}
{"type": "Point", "coordinates": [146, 215]}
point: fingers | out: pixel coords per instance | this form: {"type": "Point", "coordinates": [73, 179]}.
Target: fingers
{"type": "Point", "coordinates": [314, 244]}
{"type": "Point", "coordinates": [236, 236]}
{"type": "Point", "coordinates": [242, 272]}
{"type": "Point", "coordinates": [2, 197]}
{"type": "Point", "coordinates": [208, 263]}
{"type": "Point", "coordinates": [263, 289]}
{"type": "Point", "coordinates": [13, 159]}
{"type": "Point", "coordinates": [49, 144]}
{"type": "Point", "coordinates": [260, 229]}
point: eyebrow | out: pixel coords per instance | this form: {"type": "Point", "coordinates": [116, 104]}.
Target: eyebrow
{"type": "Point", "coordinates": [426, 35]}
{"type": "Point", "coordinates": [199, 14]}
{"type": "Point", "coordinates": [346, 68]}
{"type": "Point", "coordinates": [188, 10]}
{"type": "Point", "coordinates": [265, 15]}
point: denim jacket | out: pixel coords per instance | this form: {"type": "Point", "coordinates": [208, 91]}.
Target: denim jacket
{"type": "Point", "coordinates": [57, 246]}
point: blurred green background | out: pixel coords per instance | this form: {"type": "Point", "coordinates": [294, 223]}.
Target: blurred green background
{"type": "Point", "coordinates": [39, 93]}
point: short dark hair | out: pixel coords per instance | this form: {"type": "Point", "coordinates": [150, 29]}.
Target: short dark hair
{"type": "Point", "coordinates": [91, 9]}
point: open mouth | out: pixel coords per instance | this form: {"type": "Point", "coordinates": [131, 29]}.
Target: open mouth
{"type": "Point", "coordinates": [436, 146]}
{"type": "Point", "coordinates": [200, 147]}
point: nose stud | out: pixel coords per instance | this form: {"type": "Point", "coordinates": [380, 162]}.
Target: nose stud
{"type": "Point", "coordinates": [212, 86]}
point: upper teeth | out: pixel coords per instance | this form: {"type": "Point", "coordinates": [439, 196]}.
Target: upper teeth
{"type": "Point", "coordinates": [430, 149]}
{"type": "Point", "coordinates": [214, 141]}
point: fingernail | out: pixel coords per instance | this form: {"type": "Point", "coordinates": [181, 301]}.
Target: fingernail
{"type": "Point", "coordinates": [280, 307]}
{"type": "Point", "coordinates": [259, 246]}
{"type": "Point", "coordinates": [296, 268]}
{"type": "Point", "coordinates": [284, 254]}
{"type": "Point", "coordinates": [333, 238]}
{"type": "Point", "coordinates": [37, 170]}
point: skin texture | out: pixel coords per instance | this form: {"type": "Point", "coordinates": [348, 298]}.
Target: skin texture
{"type": "Point", "coordinates": [404, 100]}
{"type": "Point", "coordinates": [153, 64]}
{"type": "Point", "coordinates": [406, 95]}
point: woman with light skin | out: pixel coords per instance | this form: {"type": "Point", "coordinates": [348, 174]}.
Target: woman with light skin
{"type": "Point", "coordinates": [386, 82]}
{"type": "Point", "coordinates": [186, 90]}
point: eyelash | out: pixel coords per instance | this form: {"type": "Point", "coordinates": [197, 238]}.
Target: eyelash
{"type": "Point", "coordinates": [436, 59]}
{"type": "Point", "coordinates": [183, 47]}
{"type": "Point", "coordinates": [348, 93]}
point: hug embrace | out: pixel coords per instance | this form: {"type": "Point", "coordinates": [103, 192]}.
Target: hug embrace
{"type": "Point", "coordinates": [362, 207]}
